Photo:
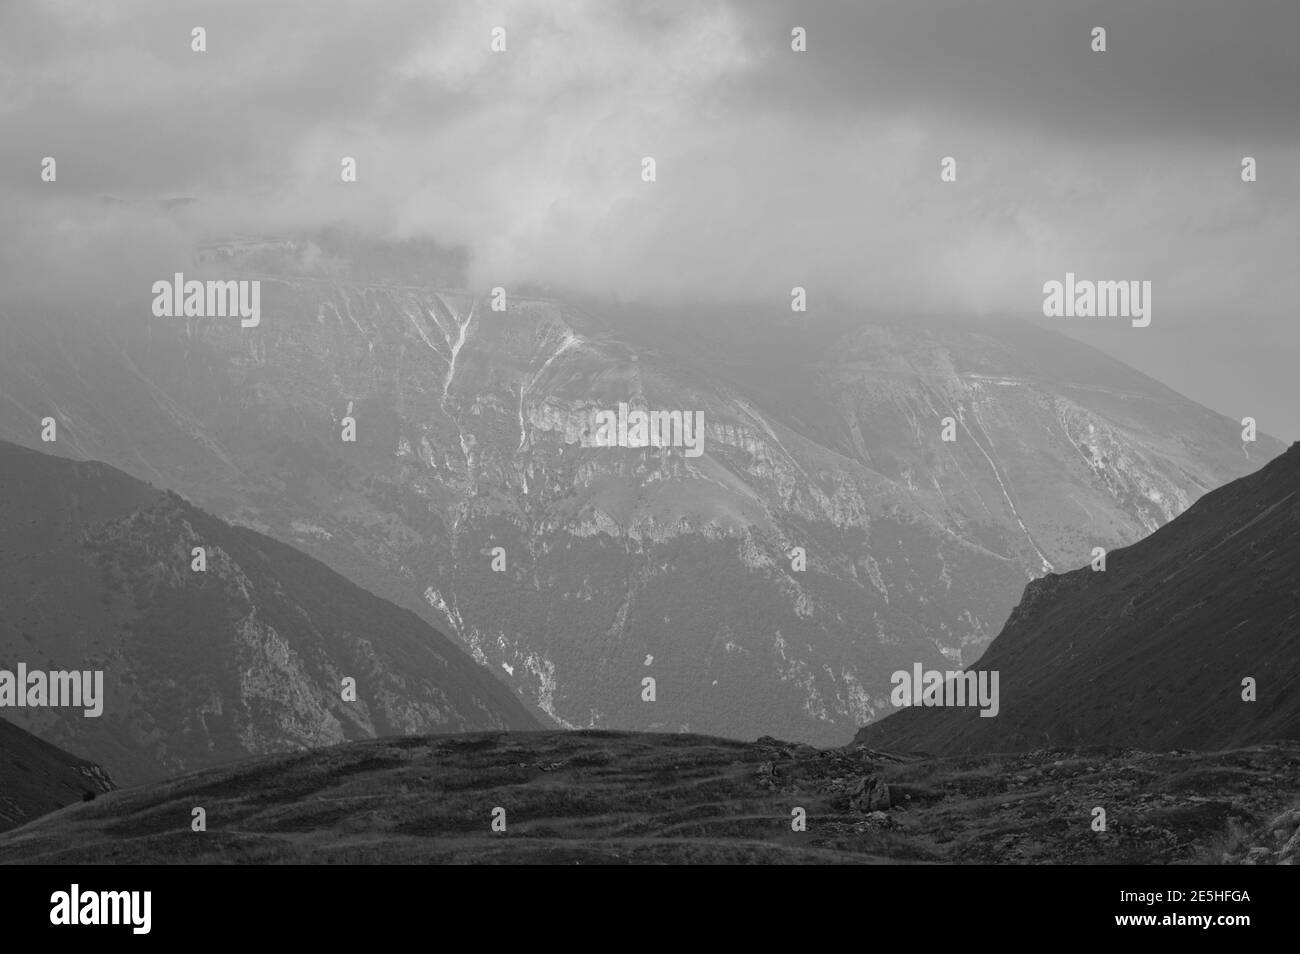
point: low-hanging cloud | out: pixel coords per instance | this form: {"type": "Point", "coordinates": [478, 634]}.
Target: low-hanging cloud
{"type": "Point", "coordinates": [774, 168]}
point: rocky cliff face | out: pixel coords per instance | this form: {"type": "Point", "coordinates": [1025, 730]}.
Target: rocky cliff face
{"type": "Point", "coordinates": [475, 430]}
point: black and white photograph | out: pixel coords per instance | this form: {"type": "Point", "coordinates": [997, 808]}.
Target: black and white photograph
{"type": "Point", "coordinates": [650, 432]}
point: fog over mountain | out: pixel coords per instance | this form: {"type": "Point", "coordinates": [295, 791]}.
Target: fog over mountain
{"type": "Point", "coordinates": [775, 169]}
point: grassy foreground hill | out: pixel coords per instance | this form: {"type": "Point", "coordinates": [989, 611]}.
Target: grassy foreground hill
{"type": "Point", "coordinates": [597, 797]}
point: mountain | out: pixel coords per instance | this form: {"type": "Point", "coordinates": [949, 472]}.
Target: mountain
{"type": "Point", "coordinates": [37, 778]}
{"type": "Point", "coordinates": [204, 666]}
{"type": "Point", "coordinates": [598, 797]}
{"type": "Point", "coordinates": [1153, 651]}
{"type": "Point", "coordinates": [474, 431]}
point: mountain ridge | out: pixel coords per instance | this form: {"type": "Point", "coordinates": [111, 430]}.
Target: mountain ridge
{"type": "Point", "coordinates": [1153, 651]}
{"type": "Point", "coordinates": [474, 433]}
{"type": "Point", "coordinates": [246, 655]}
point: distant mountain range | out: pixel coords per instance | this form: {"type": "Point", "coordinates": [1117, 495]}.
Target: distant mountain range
{"type": "Point", "coordinates": [1154, 652]}
{"type": "Point", "coordinates": [37, 778]}
{"type": "Point", "coordinates": [474, 432]}
{"type": "Point", "coordinates": [204, 666]}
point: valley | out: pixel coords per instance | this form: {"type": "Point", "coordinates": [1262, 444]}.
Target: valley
{"type": "Point", "coordinates": [470, 427]}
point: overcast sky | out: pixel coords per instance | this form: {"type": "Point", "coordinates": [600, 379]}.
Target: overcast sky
{"type": "Point", "coordinates": [774, 168]}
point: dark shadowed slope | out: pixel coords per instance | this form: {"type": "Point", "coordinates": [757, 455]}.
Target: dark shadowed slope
{"type": "Point", "coordinates": [37, 778]}
{"type": "Point", "coordinates": [595, 797]}
{"type": "Point", "coordinates": [201, 667]}
{"type": "Point", "coordinates": [1153, 651]}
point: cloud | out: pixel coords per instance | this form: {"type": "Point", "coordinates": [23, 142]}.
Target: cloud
{"type": "Point", "coordinates": [774, 168]}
